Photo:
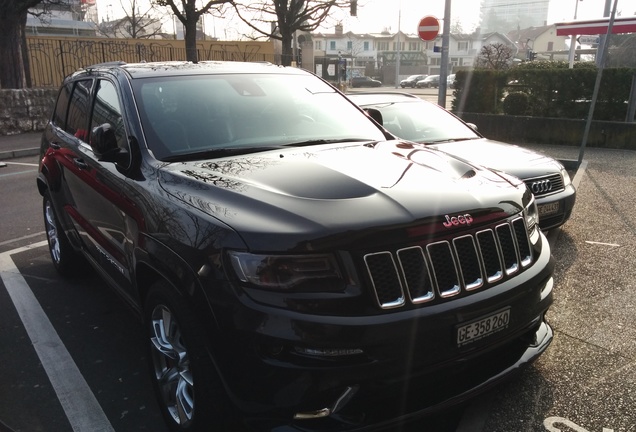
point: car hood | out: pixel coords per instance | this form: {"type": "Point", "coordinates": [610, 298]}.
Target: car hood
{"type": "Point", "coordinates": [345, 193]}
{"type": "Point", "coordinates": [512, 159]}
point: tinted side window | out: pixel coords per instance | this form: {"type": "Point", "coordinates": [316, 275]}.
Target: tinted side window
{"type": "Point", "coordinates": [78, 111]}
{"type": "Point", "coordinates": [108, 110]}
{"type": "Point", "coordinates": [59, 116]}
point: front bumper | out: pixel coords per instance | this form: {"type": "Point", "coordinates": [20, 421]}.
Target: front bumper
{"type": "Point", "coordinates": [564, 200]}
{"type": "Point", "coordinates": [288, 371]}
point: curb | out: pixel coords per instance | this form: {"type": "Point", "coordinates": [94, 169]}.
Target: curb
{"type": "Point", "coordinates": [11, 154]}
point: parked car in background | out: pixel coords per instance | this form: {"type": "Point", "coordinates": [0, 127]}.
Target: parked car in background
{"type": "Point", "coordinates": [414, 119]}
{"type": "Point", "coordinates": [431, 81]}
{"type": "Point", "coordinates": [450, 81]}
{"type": "Point", "coordinates": [411, 81]}
{"type": "Point", "coordinates": [365, 81]}
{"type": "Point", "coordinates": [296, 267]}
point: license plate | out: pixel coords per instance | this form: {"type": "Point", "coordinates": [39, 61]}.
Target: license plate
{"type": "Point", "coordinates": [548, 209]}
{"type": "Point", "coordinates": [482, 327]}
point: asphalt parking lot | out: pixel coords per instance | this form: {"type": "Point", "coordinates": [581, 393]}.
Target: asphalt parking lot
{"type": "Point", "coordinates": [586, 380]}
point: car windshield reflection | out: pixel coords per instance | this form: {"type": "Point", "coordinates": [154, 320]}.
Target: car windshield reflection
{"type": "Point", "coordinates": [192, 115]}
{"type": "Point", "coordinates": [423, 123]}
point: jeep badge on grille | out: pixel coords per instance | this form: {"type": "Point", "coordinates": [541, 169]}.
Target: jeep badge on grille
{"type": "Point", "coordinates": [465, 219]}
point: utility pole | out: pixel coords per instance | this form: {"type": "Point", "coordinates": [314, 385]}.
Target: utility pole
{"type": "Point", "coordinates": [597, 85]}
{"type": "Point", "coordinates": [601, 43]}
{"type": "Point", "coordinates": [573, 38]}
{"type": "Point", "coordinates": [443, 70]}
{"type": "Point", "coordinates": [397, 58]}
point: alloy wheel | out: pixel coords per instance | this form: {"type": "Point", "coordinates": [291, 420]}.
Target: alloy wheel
{"type": "Point", "coordinates": [52, 232]}
{"type": "Point", "coordinates": [172, 366]}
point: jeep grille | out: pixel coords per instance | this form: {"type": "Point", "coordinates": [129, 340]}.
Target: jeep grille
{"type": "Point", "coordinates": [444, 269]}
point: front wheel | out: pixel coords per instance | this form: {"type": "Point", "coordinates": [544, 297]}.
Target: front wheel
{"type": "Point", "coordinates": [67, 261]}
{"type": "Point", "coordinates": [190, 394]}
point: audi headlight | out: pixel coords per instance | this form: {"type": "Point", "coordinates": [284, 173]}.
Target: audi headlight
{"type": "Point", "coordinates": [306, 273]}
{"type": "Point", "coordinates": [566, 177]}
{"type": "Point", "coordinates": [531, 214]}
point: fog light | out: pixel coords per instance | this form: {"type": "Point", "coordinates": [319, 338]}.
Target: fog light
{"type": "Point", "coordinates": [328, 352]}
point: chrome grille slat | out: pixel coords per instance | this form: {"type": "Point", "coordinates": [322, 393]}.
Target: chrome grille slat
{"type": "Point", "coordinates": [469, 263]}
{"type": "Point", "coordinates": [386, 280]}
{"type": "Point", "coordinates": [508, 249]}
{"type": "Point", "coordinates": [418, 274]}
{"type": "Point", "coordinates": [445, 272]}
{"type": "Point", "coordinates": [490, 255]}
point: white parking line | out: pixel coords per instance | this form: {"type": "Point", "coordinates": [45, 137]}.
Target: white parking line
{"type": "Point", "coordinates": [551, 424]}
{"type": "Point", "coordinates": [78, 401]}
{"type": "Point", "coordinates": [15, 240]}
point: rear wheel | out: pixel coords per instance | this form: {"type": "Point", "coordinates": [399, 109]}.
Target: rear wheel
{"type": "Point", "coordinates": [189, 392]}
{"type": "Point", "coordinates": [67, 261]}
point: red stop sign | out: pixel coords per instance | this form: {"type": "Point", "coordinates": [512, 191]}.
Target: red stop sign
{"type": "Point", "coordinates": [428, 28]}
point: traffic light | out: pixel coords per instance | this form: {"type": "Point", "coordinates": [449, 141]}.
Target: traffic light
{"type": "Point", "coordinates": [354, 8]}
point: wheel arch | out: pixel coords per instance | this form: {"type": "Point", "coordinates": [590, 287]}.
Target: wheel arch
{"type": "Point", "coordinates": [157, 261]}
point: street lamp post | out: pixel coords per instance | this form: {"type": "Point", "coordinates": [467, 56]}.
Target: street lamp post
{"type": "Point", "coordinates": [397, 51]}
{"type": "Point", "coordinates": [573, 37]}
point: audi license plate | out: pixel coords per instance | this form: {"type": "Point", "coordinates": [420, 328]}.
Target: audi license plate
{"type": "Point", "coordinates": [548, 209]}
{"type": "Point", "coordinates": [482, 327]}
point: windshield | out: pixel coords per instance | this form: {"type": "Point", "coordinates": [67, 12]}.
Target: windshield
{"type": "Point", "coordinates": [204, 115]}
{"type": "Point", "coordinates": [422, 122]}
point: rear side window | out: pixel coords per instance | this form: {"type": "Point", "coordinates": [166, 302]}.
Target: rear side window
{"type": "Point", "coordinates": [79, 110]}
{"type": "Point", "coordinates": [59, 116]}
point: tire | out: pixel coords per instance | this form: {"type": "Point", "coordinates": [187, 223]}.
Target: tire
{"type": "Point", "coordinates": [66, 260]}
{"type": "Point", "coordinates": [190, 394]}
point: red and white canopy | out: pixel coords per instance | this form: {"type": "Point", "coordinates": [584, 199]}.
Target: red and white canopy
{"type": "Point", "coordinates": [596, 27]}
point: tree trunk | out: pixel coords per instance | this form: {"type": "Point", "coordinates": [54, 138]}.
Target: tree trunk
{"type": "Point", "coordinates": [191, 32]}
{"type": "Point", "coordinates": [12, 75]}
{"type": "Point", "coordinates": [26, 60]}
{"type": "Point", "coordinates": [191, 41]}
{"type": "Point", "coordinates": [287, 53]}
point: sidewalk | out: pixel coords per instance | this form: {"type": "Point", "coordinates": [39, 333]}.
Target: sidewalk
{"type": "Point", "coordinates": [19, 145]}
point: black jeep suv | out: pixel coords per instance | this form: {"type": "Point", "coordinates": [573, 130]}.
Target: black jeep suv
{"type": "Point", "coordinates": [296, 266]}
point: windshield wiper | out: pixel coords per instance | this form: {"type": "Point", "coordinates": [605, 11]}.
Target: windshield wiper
{"type": "Point", "coordinates": [325, 141]}
{"type": "Point", "coordinates": [218, 153]}
{"type": "Point", "coordinates": [447, 140]}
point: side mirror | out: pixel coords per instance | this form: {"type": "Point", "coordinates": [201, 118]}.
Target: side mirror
{"type": "Point", "coordinates": [104, 143]}
{"type": "Point", "coordinates": [473, 126]}
{"type": "Point", "coordinates": [375, 115]}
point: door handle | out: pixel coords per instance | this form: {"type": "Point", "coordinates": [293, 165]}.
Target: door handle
{"type": "Point", "coordinates": [80, 163]}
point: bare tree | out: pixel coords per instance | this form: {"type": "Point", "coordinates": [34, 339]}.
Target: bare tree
{"type": "Point", "coordinates": [280, 19]}
{"type": "Point", "coordinates": [495, 56]}
{"type": "Point", "coordinates": [189, 13]}
{"type": "Point", "coordinates": [140, 21]}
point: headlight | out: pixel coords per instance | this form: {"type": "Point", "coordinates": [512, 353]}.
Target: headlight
{"type": "Point", "coordinates": [531, 213]}
{"type": "Point", "coordinates": [306, 273]}
{"type": "Point", "coordinates": [566, 177]}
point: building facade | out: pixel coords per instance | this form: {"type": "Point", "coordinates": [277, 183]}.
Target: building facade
{"type": "Point", "coordinates": [503, 15]}
{"type": "Point", "coordinates": [376, 54]}
{"type": "Point", "coordinates": [68, 18]}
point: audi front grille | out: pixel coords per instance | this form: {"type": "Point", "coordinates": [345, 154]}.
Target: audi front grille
{"type": "Point", "coordinates": [545, 185]}
{"type": "Point", "coordinates": [420, 273]}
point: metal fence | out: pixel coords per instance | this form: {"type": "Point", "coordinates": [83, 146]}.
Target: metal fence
{"type": "Point", "coordinates": [52, 58]}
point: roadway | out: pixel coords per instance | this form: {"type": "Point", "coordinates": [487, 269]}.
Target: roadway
{"type": "Point", "coordinates": [73, 355]}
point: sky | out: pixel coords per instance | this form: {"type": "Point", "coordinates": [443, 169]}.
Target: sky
{"type": "Point", "coordinates": [376, 15]}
